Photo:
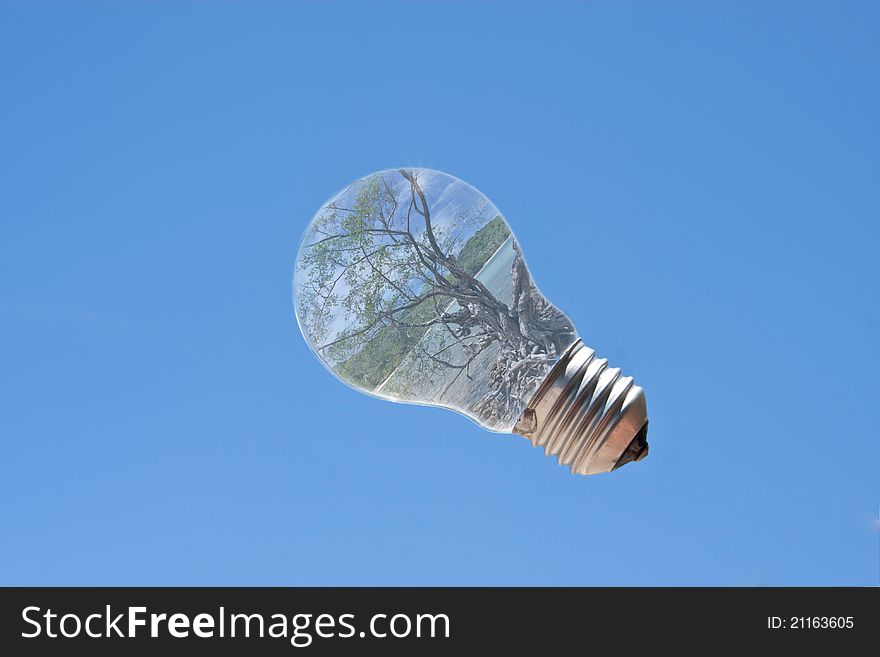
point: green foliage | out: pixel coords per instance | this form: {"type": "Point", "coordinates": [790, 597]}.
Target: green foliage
{"type": "Point", "coordinates": [486, 241]}
{"type": "Point", "coordinates": [388, 346]}
{"type": "Point", "coordinates": [385, 350]}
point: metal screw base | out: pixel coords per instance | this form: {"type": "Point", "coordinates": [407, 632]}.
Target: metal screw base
{"type": "Point", "coordinates": [587, 415]}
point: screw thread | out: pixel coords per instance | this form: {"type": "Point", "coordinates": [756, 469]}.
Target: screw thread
{"type": "Point", "coordinates": [587, 415]}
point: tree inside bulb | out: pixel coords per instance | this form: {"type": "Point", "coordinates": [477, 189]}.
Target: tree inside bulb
{"type": "Point", "coordinates": [410, 286]}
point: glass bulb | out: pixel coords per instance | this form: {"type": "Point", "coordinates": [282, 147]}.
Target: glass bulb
{"type": "Point", "coordinates": [410, 286]}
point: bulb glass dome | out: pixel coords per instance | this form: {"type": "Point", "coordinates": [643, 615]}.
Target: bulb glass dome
{"type": "Point", "coordinates": [410, 286]}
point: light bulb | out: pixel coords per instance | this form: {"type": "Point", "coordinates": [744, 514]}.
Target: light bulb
{"type": "Point", "coordinates": [410, 286]}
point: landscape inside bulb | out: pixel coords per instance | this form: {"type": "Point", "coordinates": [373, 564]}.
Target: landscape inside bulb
{"type": "Point", "coordinates": [409, 285]}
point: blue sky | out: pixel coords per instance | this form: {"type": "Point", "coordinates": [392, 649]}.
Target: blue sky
{"type": "Point", "coordinates": [695, 185]}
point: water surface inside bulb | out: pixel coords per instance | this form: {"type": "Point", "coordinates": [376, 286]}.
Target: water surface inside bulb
{"type": "Point", "coordinates": [410, 286]}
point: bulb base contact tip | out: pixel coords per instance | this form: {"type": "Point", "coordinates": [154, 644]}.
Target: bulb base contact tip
{"type": "Point", "coordinates": [587, 415]}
